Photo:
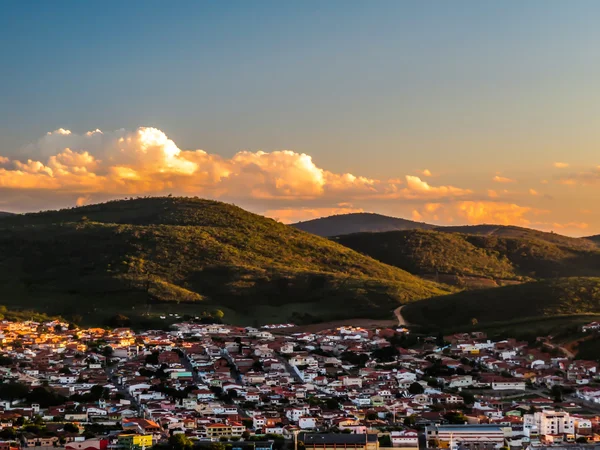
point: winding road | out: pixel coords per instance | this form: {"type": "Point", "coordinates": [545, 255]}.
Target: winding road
{"type": "Point", "coordinates": [401, 320]}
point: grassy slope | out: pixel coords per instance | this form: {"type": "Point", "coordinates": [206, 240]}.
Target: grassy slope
{"type": "Point", "coordinates": [189, 254]}
{"type": "Point", "coordinates": [424, 252]}
{"type": "Point", "coordinates": [594, 239]}
{"type": "Point", "coordinates": [509, 231]}
{"type": "Point", "coordinates": [546, 298]}
{"type": "Point", "coordinates": [355, 223]}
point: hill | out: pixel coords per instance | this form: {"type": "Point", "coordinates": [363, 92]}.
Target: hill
{"type": "Point", "coordinates": [595, 239]}
{"type": "Point", "coordinates": [5, 214]}
{"type": "Point", "coordinates": [469, 258]}
{"type": "Point", "coordinates": [356, 223]}
{"type": "Point", "coordinates": [510, 231]}
{"type": "Point", "coordinates": [190, 255]}
{"type": "Point", "coordinates": [546, 298]}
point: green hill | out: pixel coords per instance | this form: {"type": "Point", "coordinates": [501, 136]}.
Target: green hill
{"type": "Point", "coordinates": [190, 255]}
{"type": "Point", "coordinates": [470, 258]}
{"type": "Point", "coordinates": [510, 231]}
{"type": "Point", "coordinates": [357, 223]}
{"type": "Point", "coordinates": [547, 298]}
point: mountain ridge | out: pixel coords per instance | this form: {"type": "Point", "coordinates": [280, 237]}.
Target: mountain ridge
{"type": "Point", "coordinates": [176, 254]}
{"type": "Point", "coordinates": [472, 257]}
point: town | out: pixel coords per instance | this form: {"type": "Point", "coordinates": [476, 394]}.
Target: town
{"type": "Point", "coordinates": [222, 387]}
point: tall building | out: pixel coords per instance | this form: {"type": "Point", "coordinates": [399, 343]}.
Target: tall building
{"type": "Point", "coordinates": [549, 423]}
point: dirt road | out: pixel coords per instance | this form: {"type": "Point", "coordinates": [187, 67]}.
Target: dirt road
{"type": "Point", "coordinates": [401, 320]}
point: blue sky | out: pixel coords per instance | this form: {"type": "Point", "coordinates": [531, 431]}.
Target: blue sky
{"type": "Point", "coordinates": [380, 89]}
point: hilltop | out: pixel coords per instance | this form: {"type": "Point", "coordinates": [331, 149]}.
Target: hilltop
{"type": "Point", "coordinates": [511, 231]}
{"type": "Point", "coordinates": [356, 223]}
{"type": "Point", "coordinates": [595, 239]}
{"type": "Point", "coordinates": [504, 255]}
{"type": "Point", "coordinates": [190, 255]}
{"type": "Point", "coordinates": [533, 300]}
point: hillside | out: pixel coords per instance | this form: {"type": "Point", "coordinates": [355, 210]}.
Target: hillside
{"type": "Point", "coordinates": [190, 255]}
{"type": "Point", "coordinates": [510, 231]}
{"type": "Point", "coordinates": [356, 223]}
{"type": "Point", "coordinates": [487, 256]}
{"type": "Point", "coordinates": [595, 239]}
{"type": "Point", "coordinates": [558, 297]}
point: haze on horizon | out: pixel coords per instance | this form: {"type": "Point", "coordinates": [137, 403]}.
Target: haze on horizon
{"type": "Point", "coordinates": [450, 113]}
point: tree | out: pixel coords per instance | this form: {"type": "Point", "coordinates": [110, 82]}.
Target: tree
{"type": "Point", "coordinates": [71, 428]}
{"type": "Point", "coordinates": [216, 446]}
{"type": "Point", "coordinates": [385, 441]}
{"type": "Point", "coordinates": [411, 420]}
{"type": "Point", "coordinates": [474, 321]}
{"type": "Point", "coordinates": [557, 393]}
{"type": "Point", "coordinates": [13, 391]}
{"type": "Point", "coordinates": [455, 418]}
{"type": "Point", "coordinates": [118, 321]}
{"type": "Point", "coordinates": [218, 314]}
{"type": "Point", "coordinates": [8, 434]}
{"type": "Point", "coordinates": [180, 441]}
{"type": "Point", "coordinates": [416, 388]}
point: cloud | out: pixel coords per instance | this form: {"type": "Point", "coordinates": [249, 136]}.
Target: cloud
{"type": "Point", "coordinates": [590, 177]}
{"type": "Point", "coordinates": [561, 165]}
{"type": "Point", "coordinates": [577, 225]}
{"type": "Point", "coordinates": [478, 212]}
{"type": "Point", "coordinates": [500, 179]}
{"type": "Point", "coordinates": [427, 173]}
{"type": "Point", "coordinates": [492, 193]}
{"type": "Point", "coordinates": [533, 192]}
{"type": "Point", "coordinates": [99, 165]}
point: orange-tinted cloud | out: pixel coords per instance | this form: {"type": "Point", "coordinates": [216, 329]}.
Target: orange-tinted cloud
{"type": "Point", "coordinates": [477, 212]}
{"type": "Point", "coordinates": [590, 177]}
{"type": "Point", "coordinates": [146, 161]}
{"type": "Point", "coordinates": [501, 179]}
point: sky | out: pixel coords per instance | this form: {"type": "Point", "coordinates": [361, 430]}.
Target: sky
{"type": "Point", "coordinates": [445, 112]}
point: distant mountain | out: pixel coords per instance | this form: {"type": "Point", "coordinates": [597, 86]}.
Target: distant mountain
{"type": "Point", "coordinates": [470, 259]}
{"type": "Point", "coordinates": [357, 223]}
{"type": "Point", "coordinates": [5, 214]}
{"type": "Point", "coordinates": [189, 255]}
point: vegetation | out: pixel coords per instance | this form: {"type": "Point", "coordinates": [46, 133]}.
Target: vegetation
{"type": "Point", "coordinates": [156, 255]}
{"type": "Point", "coordinates": [498, 258]}
{"type": "Point", "coordinates": [546, 298]}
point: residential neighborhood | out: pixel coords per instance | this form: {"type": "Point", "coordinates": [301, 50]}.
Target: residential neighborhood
{"type": "Point", "coordinates": [227, 387]}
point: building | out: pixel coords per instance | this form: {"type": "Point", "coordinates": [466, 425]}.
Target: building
{"type": "Point", "coordinates": [405, 439]}
{"type": "Point", "coordinates": [135, 441]}
{"type": "Point", "coordinates": [464, 436]}
{"type": "Point", "coordinates": [331, 441]}
{"type": "Point", "coordinates": [89, 444]}
{"type": "Point", "coordinates": [549, 423]}
{"type": "Point", "coordinates": [10, 445]}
